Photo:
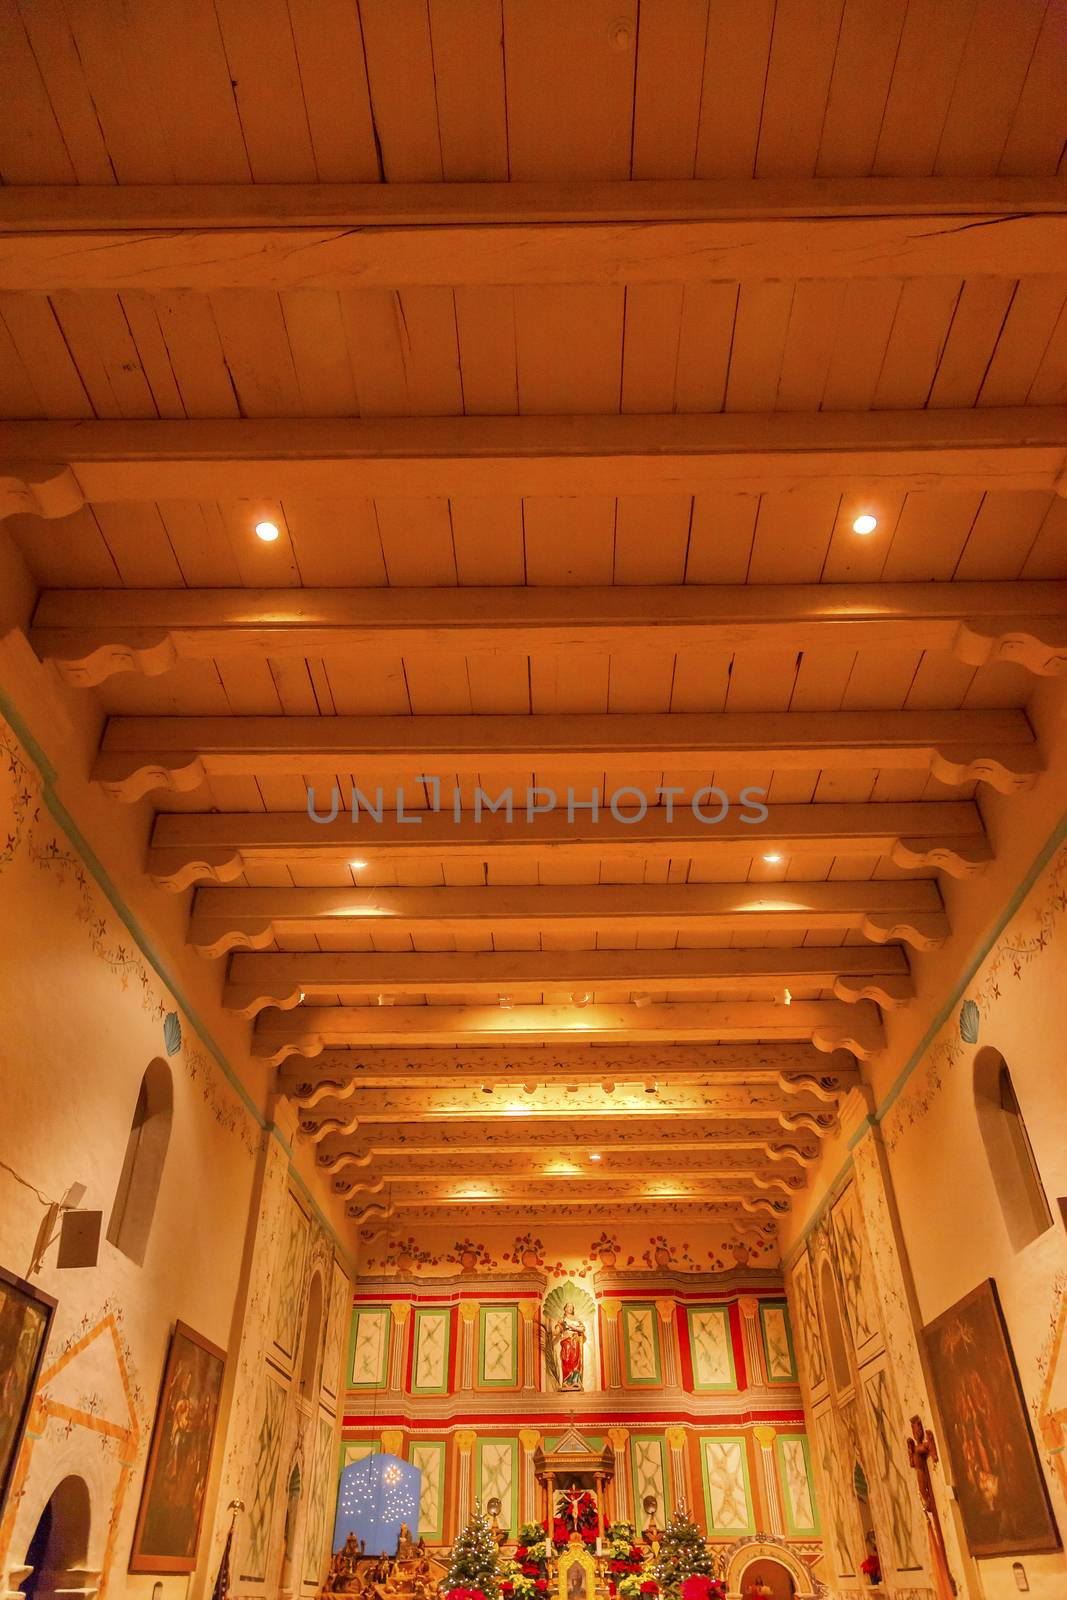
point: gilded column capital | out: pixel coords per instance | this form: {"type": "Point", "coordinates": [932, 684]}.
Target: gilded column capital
{"type": "Point", "coordinates": [392, 1441]}
{"type": "Point", "coordinates": [610, 1308]}
{"type": "Point", "coordinates": [529, 1438]}
{"type": "Point", "coordinates": [665, 1309]}
{"type": "Point", "coordinates": [748, 1305]}
{"type": "Point", "coordinates": [764, 1435]}
{"type": "Point", "coordinates": [528, 1310]}
{"type": "Point", "coordinates": [675, 1437]}
{"type": "Point", "coordinates": [400, 1310]}
{"type": "Point", "coordinates": [465, 1439]}
{"type": "Point", "coordinates": [618, 1438]}
{"type": "Point", "coordinates": [468, 1310]}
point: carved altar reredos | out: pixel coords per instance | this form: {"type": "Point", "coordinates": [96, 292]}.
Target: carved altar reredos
{"type": "Point", "coordinates": [745, 1552]}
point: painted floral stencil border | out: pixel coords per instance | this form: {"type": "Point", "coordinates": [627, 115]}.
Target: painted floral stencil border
{"type": "Point", "coordinates": [27, 830]}
{"type": "Point", "coordinates": [1006, 962]}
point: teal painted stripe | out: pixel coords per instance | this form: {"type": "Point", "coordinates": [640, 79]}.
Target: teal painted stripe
{"type": "Point", "coordinates": [1012, 906]}
{"type": "Point", "coordinates": [65, 821]}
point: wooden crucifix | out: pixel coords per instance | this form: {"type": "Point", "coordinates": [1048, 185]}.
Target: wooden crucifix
{"type": "Point", "coordinates": [922, 1450]}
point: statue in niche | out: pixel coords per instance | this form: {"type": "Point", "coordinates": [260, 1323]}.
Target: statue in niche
{"type": "Point", "coordinates": [569, 1334]}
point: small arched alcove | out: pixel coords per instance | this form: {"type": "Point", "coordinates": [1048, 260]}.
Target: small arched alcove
{"type": "Point", "coordinates": [142, 1168]}
{"type": "Point", "coordinates": [309, 1364]}
{"type": "Point", "coordinates": [768, 1563]}
{"type": "Point", "coordinates": [1016, 1178]}
{"type": "Point", "coordinates": [835, 1329]}
{"type": "Point", "coordinates": [59, 1545]}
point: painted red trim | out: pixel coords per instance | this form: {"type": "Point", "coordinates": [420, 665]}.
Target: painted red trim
{"type": "Point", "coordinates": [685, 1348]}
{"type": "Point", "coordinates": [410, 1356]}
{"type": "Point", "coordinates": [357, 1422]}
{"type": "Point", "coordinates": [453, 1347]}
{"type": "Point", "coordinates": [737, 1339]}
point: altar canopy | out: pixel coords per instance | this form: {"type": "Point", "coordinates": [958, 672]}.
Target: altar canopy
{"type": "Point", "coordinates": [575, 1464]}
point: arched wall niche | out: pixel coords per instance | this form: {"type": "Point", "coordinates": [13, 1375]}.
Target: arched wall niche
{"type": "Point", "coordinates": [57, 1553]}
{"type": "Point", "coordinates": [134, 1207]}
{"type": "Point", "coordinates": [760, 1552]}
{"type": "Point", "coordinates": [1016, 1178]}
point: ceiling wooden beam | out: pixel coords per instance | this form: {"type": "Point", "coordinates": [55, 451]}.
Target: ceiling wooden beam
{"type": "Point", "coordinates": [495, 1190]}
{"type": "Point", "coordinates": [763, 1137]}
{"type": "Point", "coordinates": [339, 1074]}
{"type": "Point", "coordinates": [556, 1105]}
{"type": "Point", "coordinates": [93, 633]}
{"type": "Point", "coordinates": [249, 919]}
{"type": "Point", "coordinates": [350, 236]}
{"type": "Point", "coordinates": [45, 466]}
{"type": "Point", "coordinates": [139, 754]}
{"type": "Point", "coordinates": [739, 1166]}
{"type": "Point", "coordinates": [282, 980]}
{"type": "Point", "coordinates": [190, 847]}
{"type": "Point", "coordinates": [829, 1024]}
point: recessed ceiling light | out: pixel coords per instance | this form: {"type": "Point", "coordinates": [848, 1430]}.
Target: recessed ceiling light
{"type": "Point", "coordinates": [267, 531]}
{"type": "Point", "coordinates": [357, 866]}
{"type": "Point", "coordinates": [581, 999]}
{"type": "Point", "coordinates": [594, 1155]}
{"type": "Point", "coordinates": [787, 998]}
{"type": "Point", "coordinates": [772, 857]}
{"type": "Point", "coordinates": [865, 523]}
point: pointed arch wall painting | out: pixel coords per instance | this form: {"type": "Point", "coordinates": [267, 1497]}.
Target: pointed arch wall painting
{"type": "Point", "coordinates": [51, 1406]}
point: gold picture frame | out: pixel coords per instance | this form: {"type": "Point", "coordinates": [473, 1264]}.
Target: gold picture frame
{"type": "Point", "coordinates": [576, 1574]}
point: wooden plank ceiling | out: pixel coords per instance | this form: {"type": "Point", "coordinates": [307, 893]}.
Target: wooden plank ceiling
{"type": "Point", "coordinates": [563, 364]}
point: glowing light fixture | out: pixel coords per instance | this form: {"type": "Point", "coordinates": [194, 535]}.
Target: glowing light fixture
{"type": "Point", "coordinates": [357, 866]}
{"type": "Point", "coordinates": [594, 1155]}
{"type": "Point", "coordinates": [581, 999]}
{"type": "Point", "coordinates": [865, 523]}
{"type": "Point", "coordinates": [772, 857]}
{"type": "Point", "coordinates": [267, 531]}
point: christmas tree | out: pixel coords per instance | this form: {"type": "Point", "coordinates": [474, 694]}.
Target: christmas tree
{"type": "Point", "coordinates": [683, 1555]}
{"type": "Point", "coordinates": [474, 1565]}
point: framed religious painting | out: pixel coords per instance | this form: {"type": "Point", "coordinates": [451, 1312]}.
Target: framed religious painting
{"type": "Point", "coordinates": [995, 1466]}
{"type": "Point", "coordinates": [25, 1318]}
{"type": "Point", "coordinates": [179, 1456]}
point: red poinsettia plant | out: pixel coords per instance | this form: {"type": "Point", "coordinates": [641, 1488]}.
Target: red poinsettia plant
{"type": "Point", "coordinates": [872, 1568]}
{"type": "Point", "coordinates": [698, 1586]}
{"type": "Point", "coordinates": [464, 1594]}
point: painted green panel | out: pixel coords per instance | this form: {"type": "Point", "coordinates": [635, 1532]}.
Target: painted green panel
{"type": "Point", "coordinates": [779, 1353]}
{"type": "Point", "coordinates": [793, 1455]}
{"type": "Point", "coordinates": [431, 1349]}
{"type": "Point", "coordinates": [711, 1349]}
{"type": "Point", "coordinates": [727, 1488]}
{"type": "Point", "coordinates": [368, 1356]}
{"type": "Point", "coordinates": [648, 1470]}
{"type": "Point", "coordinates": [498, 1359]}
{"type": "Point", "coordinates": [497, 1472]}
{"type": "Point", "coordinates": [640, 1346]}
{"type": "Point", "coordinates": [429, 1456]}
